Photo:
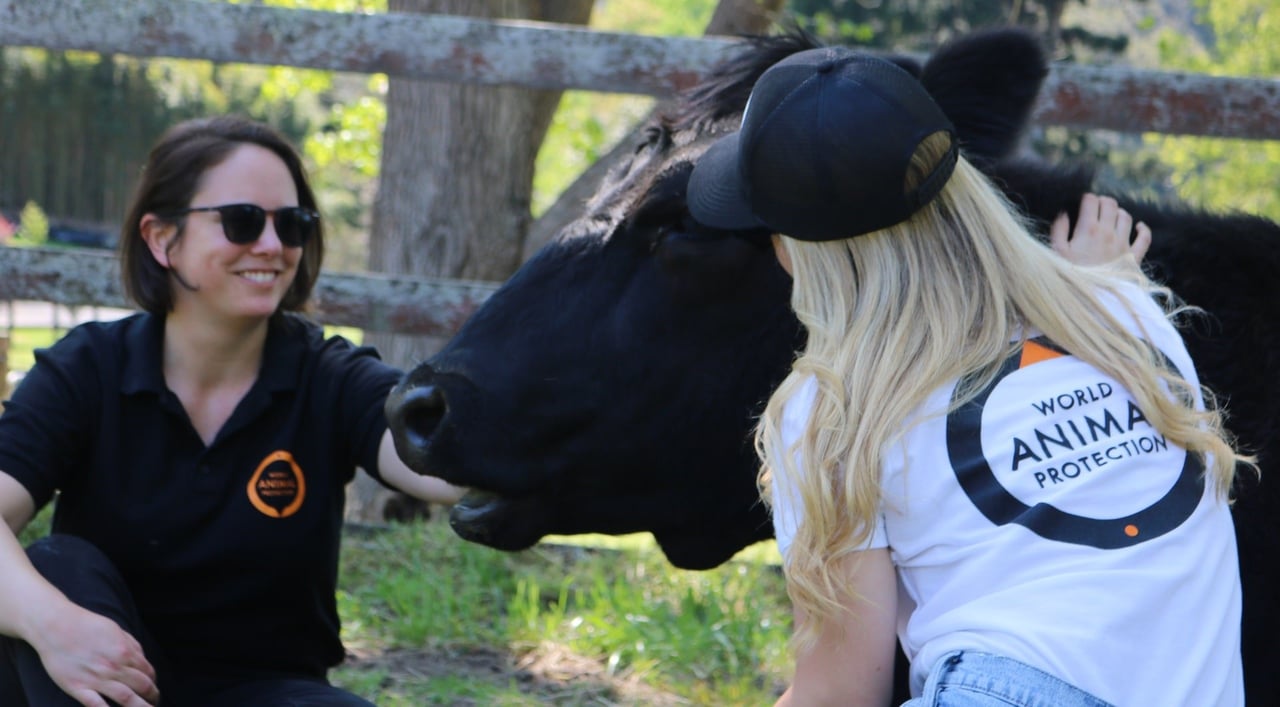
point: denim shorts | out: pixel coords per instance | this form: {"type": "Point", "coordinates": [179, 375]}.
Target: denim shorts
{"type": "Point", "coordinates": [972, 679]}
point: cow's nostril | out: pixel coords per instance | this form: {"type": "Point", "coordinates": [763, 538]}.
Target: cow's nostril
{"type": "Point", "coordinates": [421, 410]}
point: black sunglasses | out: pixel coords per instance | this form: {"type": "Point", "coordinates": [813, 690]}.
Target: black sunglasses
{"type": "Point", "coordinates": [243, 224]}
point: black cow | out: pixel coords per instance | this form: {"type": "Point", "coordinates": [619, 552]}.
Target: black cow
{"type": "Point", "coordinates": [612, 384]}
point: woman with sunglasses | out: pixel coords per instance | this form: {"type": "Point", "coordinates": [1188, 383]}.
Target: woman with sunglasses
{"type": "Point", "coordinates": [198, 453]}
{"type": "Point", "coordinates": [1002, 460]}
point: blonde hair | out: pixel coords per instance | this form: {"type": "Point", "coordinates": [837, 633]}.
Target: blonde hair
{"type": "Point", "coordinates": [894, 315]}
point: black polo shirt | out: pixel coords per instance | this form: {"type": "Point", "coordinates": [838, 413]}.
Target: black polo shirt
{"type": "Point", "coordinates": [231, 550]}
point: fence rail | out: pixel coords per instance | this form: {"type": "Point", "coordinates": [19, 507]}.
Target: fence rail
{"type": "Point", "coordinates": [402, 305]}
{"type": "Point", "coordinates": [542, 55]}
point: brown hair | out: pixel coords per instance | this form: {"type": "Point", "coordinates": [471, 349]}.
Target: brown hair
{"type": "Point", "coordinates": [169, 181]}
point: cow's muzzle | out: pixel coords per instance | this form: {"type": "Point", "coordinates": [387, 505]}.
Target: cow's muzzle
{"type": "Point", "coordinates": [413, 414]}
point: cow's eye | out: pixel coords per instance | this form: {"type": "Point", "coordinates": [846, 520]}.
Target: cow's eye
{"type": "Point", "coordinates": [653, 135]}
{"type": "Point", "coordinates": [657, 219]}
{"type": "Point", "coordinates": [682, 229]}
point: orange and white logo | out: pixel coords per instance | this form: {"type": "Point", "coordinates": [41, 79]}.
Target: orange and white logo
{"type": "Point", "coordinates": [278, 487]}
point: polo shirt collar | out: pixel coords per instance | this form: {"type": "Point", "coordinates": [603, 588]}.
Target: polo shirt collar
{"type": "Point", "coordinates": [144, 346]}
{"type": "Point", "coordinates": [282, 359]}
{"type": "Point", "coordinates": [285, 352]}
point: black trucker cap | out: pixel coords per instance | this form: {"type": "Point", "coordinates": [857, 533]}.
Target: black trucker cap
{"type": "Point", "coordinates": [822, 154]}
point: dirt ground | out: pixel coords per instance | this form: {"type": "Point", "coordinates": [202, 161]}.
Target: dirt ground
{"type": "Point", "coordinates": [549, 675]}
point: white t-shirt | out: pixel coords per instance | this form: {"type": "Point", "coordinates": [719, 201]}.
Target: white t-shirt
{"type": "Point", "coordinates": [1048, 522]}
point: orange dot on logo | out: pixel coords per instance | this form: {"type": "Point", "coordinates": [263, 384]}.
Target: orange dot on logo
{"type": "Point", "coordinates": [1131, 531]}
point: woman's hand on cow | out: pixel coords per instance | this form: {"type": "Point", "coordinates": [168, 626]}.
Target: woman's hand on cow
{"type": "Point", "coordinates": [1102, 234]}
{"type": "Point", "coordinates": [92, 659]}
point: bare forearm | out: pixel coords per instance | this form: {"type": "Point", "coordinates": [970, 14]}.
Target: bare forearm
{"type": "Point", "coordinates": [26, 598]}
{"type": "Point", "coordinates": [427, 488]}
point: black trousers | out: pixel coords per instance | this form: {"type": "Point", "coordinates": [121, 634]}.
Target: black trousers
{"type": "Point", "coordinates": [89, 579]}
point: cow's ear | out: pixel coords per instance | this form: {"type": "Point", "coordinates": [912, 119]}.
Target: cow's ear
{"type": "Point", "coordinates": [987, 82]}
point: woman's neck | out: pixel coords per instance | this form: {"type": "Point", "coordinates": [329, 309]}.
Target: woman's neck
{"type": "Point", "coordinates": [210, 366]}
{"type": "Point", "coordinates": [202, 353]}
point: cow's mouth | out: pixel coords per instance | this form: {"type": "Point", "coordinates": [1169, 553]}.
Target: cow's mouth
{"type": "Point", "coordinates": [467, 517]}
{"type": "Point", "coordinates": [497, 521]}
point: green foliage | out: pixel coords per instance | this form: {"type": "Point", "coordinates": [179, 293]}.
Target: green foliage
{"type": "Point", "coordinates": [1220, 173]}
{"type": "Point", "coordinates": [918, 25]}
{"type": "Point", "coordinates": [33, 225]}
{"type": "Point", "coordinates": [73, 130]}
{"type": "Point", "coordinates": [587, 125]}
{"type": "Point", "coordinates": [352, 138]}
{"type": "Point", "coordinates": [665, 18]}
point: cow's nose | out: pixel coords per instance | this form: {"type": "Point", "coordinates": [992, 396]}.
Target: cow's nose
{"type": "Point", "coordinates": [413, 415]}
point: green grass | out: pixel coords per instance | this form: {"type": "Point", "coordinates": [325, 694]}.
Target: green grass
{"type": "Point", "coordinates": [714, 637]}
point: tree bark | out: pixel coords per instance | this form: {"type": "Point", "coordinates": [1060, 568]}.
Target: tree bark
{"type": "Point", "coordinates": [457, 169]}
{"type": "Point", "coordinates": [455, 186]}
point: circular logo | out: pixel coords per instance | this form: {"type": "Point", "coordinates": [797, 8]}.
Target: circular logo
{"type": "Point", "coordinates": [278, 487]}
{"type": "Point", "coordinates": [1079, 433]}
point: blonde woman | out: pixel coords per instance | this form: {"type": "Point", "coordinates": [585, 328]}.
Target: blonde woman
{"type": "Point", "coordinates": [998, 457]}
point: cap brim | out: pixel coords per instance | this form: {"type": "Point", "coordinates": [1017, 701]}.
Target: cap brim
{"type": "Point", "coordinates": [716, 195]}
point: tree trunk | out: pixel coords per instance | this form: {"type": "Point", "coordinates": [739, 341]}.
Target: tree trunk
{"type": "Point", "coordinates": [457, 169]}
{"type": "Point", "coordinates": [456, 181]}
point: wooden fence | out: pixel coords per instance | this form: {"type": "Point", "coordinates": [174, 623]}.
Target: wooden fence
{"type": "Point", "coordinates": [532, 54]}
{"type": "Point", "coordinates": [76, 278]}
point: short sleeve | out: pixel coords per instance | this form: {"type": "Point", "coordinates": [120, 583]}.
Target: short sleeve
{"type": "Point", "coordinates": [366, 381]}
{"type": "Point", "coordinates": [47, 425]}
{"type": "Point", "coordinates": [788, 507]}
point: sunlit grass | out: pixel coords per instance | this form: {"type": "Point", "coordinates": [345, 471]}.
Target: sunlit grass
{"type": "Point", "coordinates": [713, 637]}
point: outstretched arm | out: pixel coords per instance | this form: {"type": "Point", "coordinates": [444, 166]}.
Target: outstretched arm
{"type": "Point", "coordinates": [1101, 235]}
{"type": "Point", "coordinates": [398, 474]}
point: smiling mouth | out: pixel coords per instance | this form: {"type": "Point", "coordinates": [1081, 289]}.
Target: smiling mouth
{"type": "Point", "coordinates": [262, 277]}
